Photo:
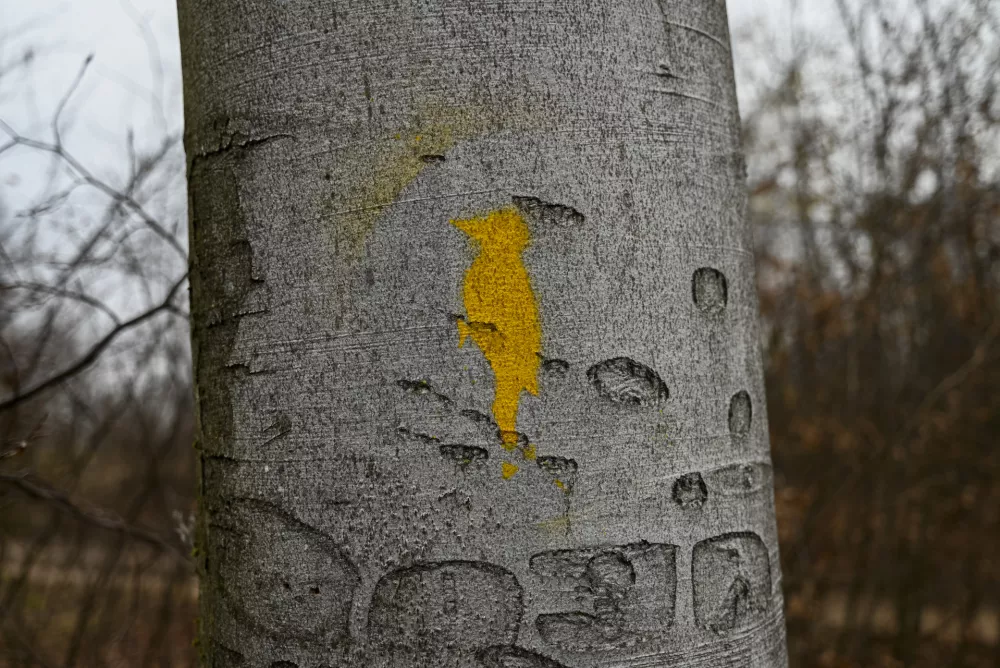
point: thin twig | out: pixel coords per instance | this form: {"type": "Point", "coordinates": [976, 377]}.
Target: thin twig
{"type": "Point", "coordinates": [91, 180]}
{"type": "Point", "coordinates": [43, 491]}
{"type": "Point", "coordinates": [66, 294]}
{"type": "Point", "coordinates": [95, 351]}
{"type": "Point", "coordinates": [69, 93]}
{"type": "Point", "coordinates": [22, 444]}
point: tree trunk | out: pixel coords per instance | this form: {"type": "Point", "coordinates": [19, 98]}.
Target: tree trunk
{"type": "Point", "coordinates": [476, 339]}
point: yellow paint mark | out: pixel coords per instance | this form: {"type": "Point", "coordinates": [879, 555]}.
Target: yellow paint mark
{"type": "Point", "coordinates": [508, 470]}
{"type": "Point", "coordinates": [560, 484]}
{"type": "Point", "coordinates": [530, 452]}
{"type": "Point", "coordinates": [502, 312]}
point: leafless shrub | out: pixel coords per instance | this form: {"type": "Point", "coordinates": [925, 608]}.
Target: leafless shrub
{"type": "Point", "coordinates": [874, 181]}
{"type": "Point", "coordinates": [95, 398]}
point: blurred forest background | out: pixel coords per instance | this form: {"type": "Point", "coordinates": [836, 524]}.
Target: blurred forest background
{"type": "Point", "coordinates": [871, 133]}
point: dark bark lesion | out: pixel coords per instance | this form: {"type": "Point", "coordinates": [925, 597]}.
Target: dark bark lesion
{"type": "Point", "coordinates": [229, 141]}
{"type": "Point", "coordinates": [412, 435]}
{"type": "Point", "coordinates": [740, 413]}
{"type": "Point", "coordinates": [540, 212]}
{"type": "Point", "coordinates": [463, 455]}
{"type": "Point", "coordinates": [612, 613]}
{"type": "Point", "coordinates": [626, 382]}
{"type": "Point", "coordinates": [690, 491]}
{"type": "Point", "coordinates": [710, 290]}
{"type": "Point", "coordinates": [731, 578]}
{"type": "Point", "coordinates": [422, 387]}
{"type": "Point", "coordinates": [554, 367]}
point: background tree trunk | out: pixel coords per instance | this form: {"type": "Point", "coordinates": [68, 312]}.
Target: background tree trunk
{"type": "Point", "coordinates": [560, 187]}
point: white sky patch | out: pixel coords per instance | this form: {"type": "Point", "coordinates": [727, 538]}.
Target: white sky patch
{"type": "Point", "coordinates": [132, 85]}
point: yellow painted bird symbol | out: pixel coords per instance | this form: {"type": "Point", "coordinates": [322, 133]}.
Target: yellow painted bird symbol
{"type": "Point", "coordinates": [502, 312]}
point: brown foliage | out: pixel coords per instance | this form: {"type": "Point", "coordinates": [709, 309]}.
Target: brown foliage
{"type": "Point", "coordinates": [884, 340]}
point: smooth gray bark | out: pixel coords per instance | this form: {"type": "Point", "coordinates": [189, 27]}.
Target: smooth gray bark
{"type": "Point", "coordinates": [561, 183]}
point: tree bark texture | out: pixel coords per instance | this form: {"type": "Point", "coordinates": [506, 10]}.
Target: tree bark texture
{"type": "Point", "coordinates": [476, 338]}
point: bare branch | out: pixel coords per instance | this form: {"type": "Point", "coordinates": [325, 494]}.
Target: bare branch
{"type": "Point", "coordinates": [65, 294]}
{"type": "Point", "coordinates": [69, 93]}
{"type": "Point", "coordinates": [43, 491]}
{"type": "Point", "coordinates": [94, 182]}
{"type": "Point", "coordinates": [95, 351]}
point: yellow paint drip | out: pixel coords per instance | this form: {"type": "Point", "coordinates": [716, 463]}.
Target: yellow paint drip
{"type": "Point", "coordinates": [508, 470]}
{"type": "Point", "coordinates": [502, 313]}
